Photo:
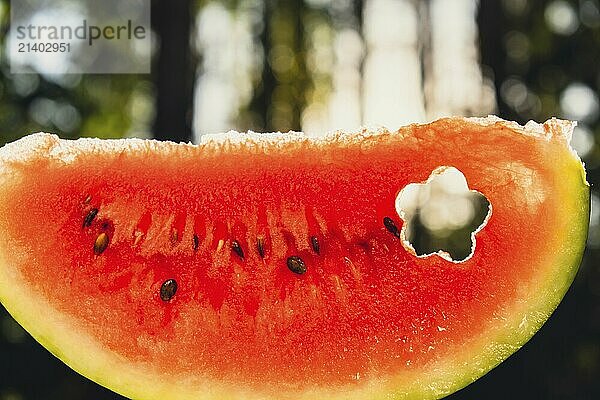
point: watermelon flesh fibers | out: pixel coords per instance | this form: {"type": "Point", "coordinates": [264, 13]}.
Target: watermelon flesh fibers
{"type": "Point", "coordinates": [274, 267]}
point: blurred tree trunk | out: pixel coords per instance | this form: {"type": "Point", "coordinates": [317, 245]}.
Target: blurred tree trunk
{"type": "Point", "coordinates": [279, 99]}
{"type": "Point", "coordinates": [173, 71]}
{"type": "Point", "coordinates": [297, 80]}
{"type": "Point", "coordinates": [392, 70]}
{"type": "Point", "coordinates": [263, 94]}
{"type": "Point", "coordinates": [490, 22]}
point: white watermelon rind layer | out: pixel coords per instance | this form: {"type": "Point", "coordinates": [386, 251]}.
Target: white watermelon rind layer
{"type": "Point", "coordinates": [69, 342]}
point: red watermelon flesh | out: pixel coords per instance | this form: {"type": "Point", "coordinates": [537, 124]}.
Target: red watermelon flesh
{"type": "Point", "coordinates": [260, 266]}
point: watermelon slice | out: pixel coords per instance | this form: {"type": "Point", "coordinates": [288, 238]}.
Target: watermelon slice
{"type": "Point", "coordinates": [275, 266]}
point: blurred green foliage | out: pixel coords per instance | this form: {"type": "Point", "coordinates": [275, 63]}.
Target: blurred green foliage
{"type": "Point", "coordinates": [72, 105]}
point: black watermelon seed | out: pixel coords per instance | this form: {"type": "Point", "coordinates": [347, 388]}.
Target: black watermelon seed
{"type": "Point", "coordinates": [101, 243]}
{"type": "Point", "coordinates": [87, 221]}
{"type": "Point", "coordinates": [196, 242]}
{"type": "Point", "coordinates": [260, 246]}
{"type": "Point", "coordinates": [168, 289]}
{"type": "Point", "coordinates": [314, 242]}
{"type": "Point", "coordinates": [235, 246]}
{"type": "Point", "coordinates": [391, 226]}
{"type": "Point", "coordinates": [296, 265]}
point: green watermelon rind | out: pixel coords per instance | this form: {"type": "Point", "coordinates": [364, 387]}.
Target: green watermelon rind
{"type": "Point", "coordinates": [493, 346]}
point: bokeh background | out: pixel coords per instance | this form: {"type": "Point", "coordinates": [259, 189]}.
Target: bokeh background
{"type": "Point", "coordinates": [319, 65]}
